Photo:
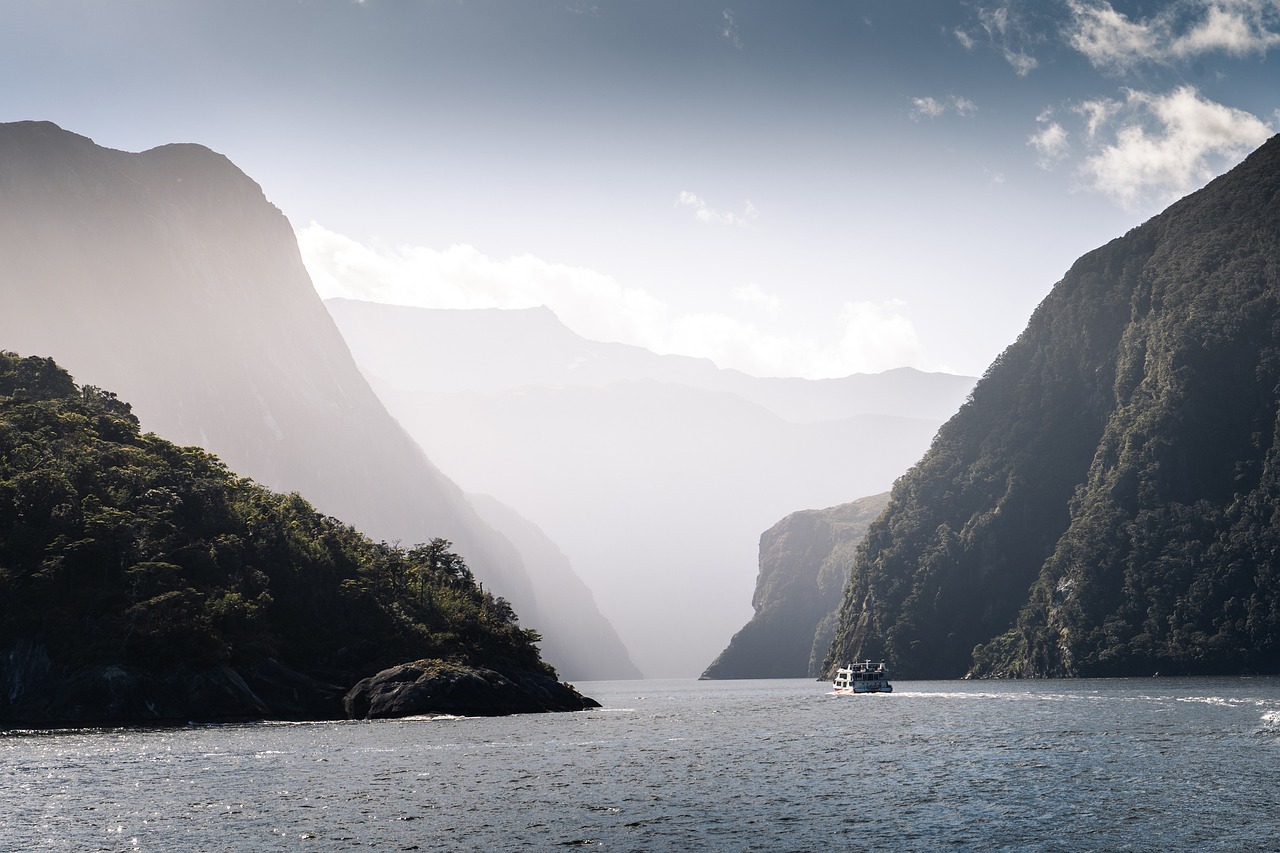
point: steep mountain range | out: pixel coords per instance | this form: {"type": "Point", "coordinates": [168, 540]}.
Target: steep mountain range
{"type": "Point", "coordinates": [1108, 501]}
{"type": "Point", "coordinates": [653, 474]}
{"type": "Point", "coordinates": [804, 565]}
{"type": "Point", "coordinates": [167, 277]}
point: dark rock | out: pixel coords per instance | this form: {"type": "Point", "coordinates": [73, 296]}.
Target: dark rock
{"type": "Point", "coordinates": [38, 693]}
{"type": "Point", "coordinates": [292, 695]}
{"type": "Point", "coordinates": [436, 687]}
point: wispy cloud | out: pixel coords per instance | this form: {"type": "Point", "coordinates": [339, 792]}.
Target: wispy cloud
{"type": "Point", "coordinates": [1112, 41]}
{"type": "Point", "coordinates": [462, 277]}
{"type": "Point", "coordinates": [710, 216]}
{"type": "Point", "coordinates": [1158, 147]}
{"type": "Point", "coordinates": [730, 31]}
{"type": "Point", "coordinates": [1001, 27]}
{"type": "Point", "coordinates": [862, 336]}
{"type": "Point", "coordinates": [930, 107]}
{"type": "Point", "coordinates": [1050, 141]}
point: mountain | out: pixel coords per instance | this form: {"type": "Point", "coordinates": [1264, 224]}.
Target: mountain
{"type": "Point", "coordinates": [494, 350]}
{"type": "Point", "coordinates": [654, 474]}
{"type": "Point", "coordinates": [145, 582]}
{"type": "Point", "coordinates": [804, 565]}
{"type": "Point", "coordinates": [1106, 503]}
{"type": "Point", "coordinates": [168, 277]}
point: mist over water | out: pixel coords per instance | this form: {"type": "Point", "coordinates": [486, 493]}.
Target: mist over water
{"type": "Point", "coordinates": [1136, 764]}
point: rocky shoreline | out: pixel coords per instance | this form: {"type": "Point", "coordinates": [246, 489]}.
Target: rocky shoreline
{"type": "Point", "coordinates": [37, 693]}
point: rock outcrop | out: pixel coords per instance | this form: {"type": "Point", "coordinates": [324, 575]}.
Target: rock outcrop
{"type": "Point", "coordinates": [436, 687]}
{"type": "Point", "coordinates": [804, 565]}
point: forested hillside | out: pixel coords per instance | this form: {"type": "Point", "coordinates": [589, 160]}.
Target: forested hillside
{"type": "Point", "coordinates": [1106, 502]}
{"type": "Point", "coordinates": [804, 565]}
{"type": "Point", "coordinates": [141, 580]}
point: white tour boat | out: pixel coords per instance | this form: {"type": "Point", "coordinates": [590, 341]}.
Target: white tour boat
{"type": "Point", "coordinates": [863, 677]}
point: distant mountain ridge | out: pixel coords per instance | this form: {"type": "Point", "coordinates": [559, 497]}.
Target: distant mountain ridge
{"type": "Point", "coordinates": [1108, 501]}
{"type": "Point", "coordinates": [654, 474]}
{"type": "Point", "coordinates": [167, 276]}
{"type": "Point", "coordinates": [553, 355]}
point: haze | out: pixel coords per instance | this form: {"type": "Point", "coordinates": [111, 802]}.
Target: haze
{"type": "Point", "coordinates": [809, 189]}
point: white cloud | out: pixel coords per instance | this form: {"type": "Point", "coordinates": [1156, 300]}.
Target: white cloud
{"type": "Point", "coordinates": [927, 108]}
{"type": "Point", "coordinates": [1167, 145]}
{"type": "Point", "coordinates": [930, 107]}
{"type": "Point", "coordinates": [966, 40]}
{"type": "Point", "coordinates": [869, 337]}
{"type": "Point", "coordinates": [1050, 142]}
{"type": "Point", "coordinates": [1023, 63]}
{"type": "Point", "coordinates": [463, 277]}
{"type": "Point", "coordinates": [878, 334]}
{"type": "Point", "coordinates": [1107, 38]}
{"type": "Point", "coordinates": [1006, 32]}
{"type": "Point", "coordinates": [1234, 27]}
{"type": "Point", "coordinates": [865, 337]}
{"type": "Point", "coordinates": [1096, 114]}
{"type": "Point", "coordinates": [730, 31]}
{"type": "Point", "coordinates": [709, 215]}
{"type": "Point", "coordinates": [753, 294]}
{"type": "Point", "coordinates": [1111, 40]}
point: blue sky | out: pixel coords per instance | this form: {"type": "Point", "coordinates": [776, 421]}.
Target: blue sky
{"type": "Point", "coordinates": [790, 188]}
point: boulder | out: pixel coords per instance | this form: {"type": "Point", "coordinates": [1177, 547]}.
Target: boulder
{"type": "Point", "coordinates": [437, 687]}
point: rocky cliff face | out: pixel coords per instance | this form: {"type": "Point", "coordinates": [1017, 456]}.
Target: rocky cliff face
{"type": "Point", "coordinates": [1107, 502]}
{"type": "Point", "coordinates": [804, 565]}
{"type": "Point", "coordinates": [168, 277]}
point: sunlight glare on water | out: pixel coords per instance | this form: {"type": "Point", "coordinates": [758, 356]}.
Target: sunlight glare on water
{"type": "Point", "coordinates": [668, 765]}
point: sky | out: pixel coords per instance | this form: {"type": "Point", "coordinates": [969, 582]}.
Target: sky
{"type": "Point", "coordinates": [788, 188]}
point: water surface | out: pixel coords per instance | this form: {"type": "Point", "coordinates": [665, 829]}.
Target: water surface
{"type": "Point", "coordinates": [1147, 764]}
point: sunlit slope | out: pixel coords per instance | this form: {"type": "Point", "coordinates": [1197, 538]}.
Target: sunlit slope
{"type": "Point", "coordinates": [168, 277]}
{"type": "Point", "coordinates": [1107, 502]}
{"type": "Point", "coordinates": [581, 634]}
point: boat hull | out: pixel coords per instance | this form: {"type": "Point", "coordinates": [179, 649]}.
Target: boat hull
{"type": "Point", "coordinates": [864, 688]}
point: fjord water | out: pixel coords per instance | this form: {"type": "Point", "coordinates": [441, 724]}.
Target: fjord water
{"type": "Point", "coordinates": [1133, 764]}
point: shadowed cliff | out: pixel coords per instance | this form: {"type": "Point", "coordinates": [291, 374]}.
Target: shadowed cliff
{"type": "Point", "coordinates": [1106, 502]}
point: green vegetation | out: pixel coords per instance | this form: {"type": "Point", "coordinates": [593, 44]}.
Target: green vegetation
{"type": "Point", "coordinates": [1108, 501]}
{"type": "Point", "coordinates": [122, 549]}
{"type": "Point", "coordinates": [804, 566]}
